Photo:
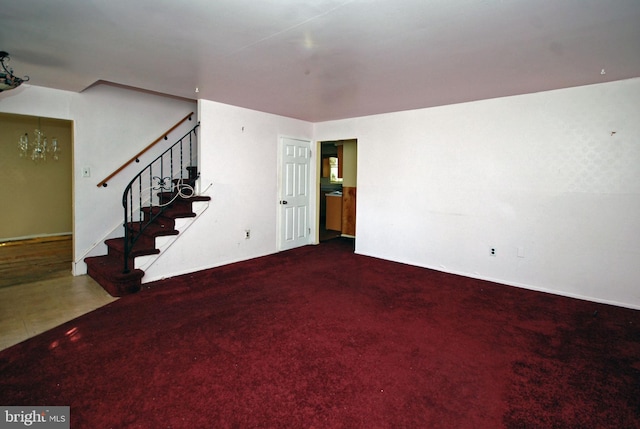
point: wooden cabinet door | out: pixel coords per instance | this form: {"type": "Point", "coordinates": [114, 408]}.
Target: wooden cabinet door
{"type": "Point", "coordinates": [334, 213]}
{"type": "Point", "coordinates": [326, 167]}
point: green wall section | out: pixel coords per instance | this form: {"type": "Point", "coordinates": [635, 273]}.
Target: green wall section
{"type": "Point", "coordinates": [37, 196]}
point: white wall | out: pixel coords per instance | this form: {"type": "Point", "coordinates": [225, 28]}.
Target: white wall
{"type": "Point", "coordinates": [542, 172]}
{"type": "Point", "coordinates": [436, 187]}
{"type": "Point", "coordinates": [239, 171]}
{"type": "Point", "coordinates": [111, 125]}
{"type": "Point", "coordinates": [238, 155]}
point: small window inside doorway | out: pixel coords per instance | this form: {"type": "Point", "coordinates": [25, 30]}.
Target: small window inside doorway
{"type": "Point", "coordinates": [333, 170]}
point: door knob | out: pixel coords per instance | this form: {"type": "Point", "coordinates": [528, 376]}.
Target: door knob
{"type": "Point", "coordinates": [283, 202]}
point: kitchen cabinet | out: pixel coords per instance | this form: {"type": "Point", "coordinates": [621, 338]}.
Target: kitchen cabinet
{"type": "Point", "coordinates": [334, 212]}
{"type": "Point", "coordinates": [326, 167]}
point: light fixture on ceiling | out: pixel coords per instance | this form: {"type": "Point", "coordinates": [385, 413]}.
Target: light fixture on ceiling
{"type": "Point", "coordinates": [7, 78]}
{"type": "Point", "coordinates": [38, 148]}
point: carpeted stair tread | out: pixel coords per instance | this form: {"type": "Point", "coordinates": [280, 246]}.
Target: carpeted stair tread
{"type": "Point", "coordinates": [109, 273]}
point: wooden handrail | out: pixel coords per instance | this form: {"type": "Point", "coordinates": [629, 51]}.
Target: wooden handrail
{"type": "Point", "coordinates": [103, 183]}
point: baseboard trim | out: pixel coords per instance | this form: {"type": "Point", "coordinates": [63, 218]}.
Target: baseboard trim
{"type": "Point", "coordinates": [38, 237]}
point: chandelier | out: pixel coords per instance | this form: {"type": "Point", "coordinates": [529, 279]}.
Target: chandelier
{"type": "Point", "coordinates": [38, 148]}
{"type": "Point", "coordinates": [7, 79]}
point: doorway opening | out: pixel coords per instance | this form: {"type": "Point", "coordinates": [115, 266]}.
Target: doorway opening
{"type": "Point", "coordinates": [37, 154]}
{"type": "Point", "coordinates": [337, 186]}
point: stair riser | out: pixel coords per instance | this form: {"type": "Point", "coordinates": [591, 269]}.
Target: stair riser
{"type": "Point", "coordinates": [172, 212]}
{"type": "Point", "coordinates": [155, 229]}
{"type": "Point", "coordinates": [119, 254]}
{"type": "Point", "coordinates": [144, 246]}
{"type": "Point", "coordinates": [166, 197]}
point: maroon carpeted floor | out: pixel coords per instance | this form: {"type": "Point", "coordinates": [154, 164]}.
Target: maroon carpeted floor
{"type": "Point", "coordinates": [318, 337]}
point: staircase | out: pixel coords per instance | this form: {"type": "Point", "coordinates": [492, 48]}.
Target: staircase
{"type": "Point", "coordinates": [152, 202]}
{"type": "Point", "coordinates": [108, 270]}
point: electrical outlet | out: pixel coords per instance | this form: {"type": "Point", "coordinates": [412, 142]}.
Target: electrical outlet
{"type": "Point", "coordinates": [492, 251]}
{"type": "Point", "coordinates": [86, 172]}
{"type": "Point", "coordinates": [247, 234]}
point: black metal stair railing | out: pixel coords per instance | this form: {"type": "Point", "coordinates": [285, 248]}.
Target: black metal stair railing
{"type": "Point", "coordinates": [171, 173]}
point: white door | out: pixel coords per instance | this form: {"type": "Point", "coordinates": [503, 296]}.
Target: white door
{"type": "Point", "coordinates": [293, 204]}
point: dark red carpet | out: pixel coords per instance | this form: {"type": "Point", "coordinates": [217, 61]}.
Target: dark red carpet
{"type": "Point", "coordinates": [318, 337]}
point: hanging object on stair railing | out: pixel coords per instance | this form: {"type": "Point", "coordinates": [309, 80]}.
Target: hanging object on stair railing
{"type": "Point", "coordinates": [38, 148]}
{"type": "Point", "coordinates": [7, 79]}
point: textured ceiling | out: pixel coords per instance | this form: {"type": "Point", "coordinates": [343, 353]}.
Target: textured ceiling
{"type": "Point", "coordinates": [324, 59]}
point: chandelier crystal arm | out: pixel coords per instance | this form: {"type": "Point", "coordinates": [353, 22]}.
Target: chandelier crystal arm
{"type": "Point", "coordinates": [38, 148]}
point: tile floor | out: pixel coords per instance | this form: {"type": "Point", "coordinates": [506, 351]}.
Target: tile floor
{"type": "Point", "coordinates": [29, 309]}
